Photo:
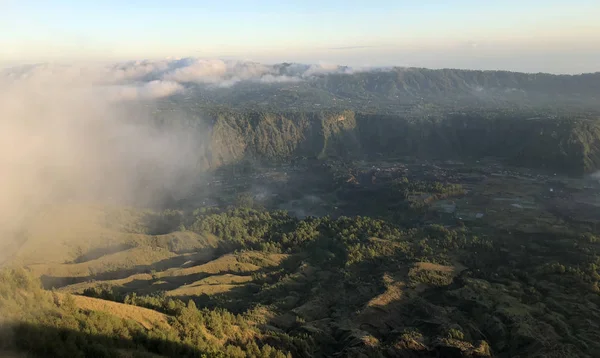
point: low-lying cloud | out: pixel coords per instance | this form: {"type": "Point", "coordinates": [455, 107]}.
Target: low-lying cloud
{"type": "Point", "coordinates": [152, 79]}
{"type": "Point", "coordinates": [228, 73]}
{"type": "Point", "coordinates": [143, 91]}
{"type": "Point", "coordinates": [86, 132]}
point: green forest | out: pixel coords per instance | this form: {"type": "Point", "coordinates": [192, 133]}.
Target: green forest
{"type": "Point", "coordinates": [360, 286]}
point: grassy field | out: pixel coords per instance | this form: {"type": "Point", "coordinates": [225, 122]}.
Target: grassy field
{"type": "Point", "coordinates": [147, 269]}
{"type": "Point", "coordinates": [146, 317]}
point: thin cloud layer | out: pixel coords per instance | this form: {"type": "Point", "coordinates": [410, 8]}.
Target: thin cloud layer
{"type": "Point", "coordinates": [144, 91]}
{"type": "Point", "coordinates": [228, 73]}
{"type": "Point", "coordinates": [153, 79]}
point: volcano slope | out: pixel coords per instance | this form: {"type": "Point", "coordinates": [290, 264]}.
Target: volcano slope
{"type": "Point", "coordinates": [404, 280]}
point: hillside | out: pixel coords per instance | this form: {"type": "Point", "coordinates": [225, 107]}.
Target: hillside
{"type": "Point", "coordinates": [146, 317]}
{"type": "Point", "coordinates": [532, 120]}
{"type": "Point", "coordinates": [50, 324]}
{"type": "Point", "coordinates": [422, 259]}
{"type": "Point", "coordinates": [355, 286]}
{"type": "Point", "coordinates": [396, 90]}
{"type": "Point", "coordinates": [565, 144]}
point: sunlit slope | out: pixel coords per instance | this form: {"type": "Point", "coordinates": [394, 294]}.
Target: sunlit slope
{"type": "Point", "coordinates": [190, 275]}
{"type": "Point", "coordinates": [79, 240]}
{"type": "Point", "coordinates": [145, 317]}
{"type": "Point", "coordinates": [119, 254]}
{"type": "Point", "coordinates": [352, 285]}
{"type": "Point", "coordinates": [44, 323]}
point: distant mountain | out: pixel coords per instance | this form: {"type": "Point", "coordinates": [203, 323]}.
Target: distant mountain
{"type": "Point", "coordinates": [279, 112]}
{"type": "Point", "coordinates": [393, 90]}
{"type": "Point", "coordinates": [300, 87]}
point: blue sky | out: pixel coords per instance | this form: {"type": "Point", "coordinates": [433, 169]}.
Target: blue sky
{"type": "Point", "coordinates": [555, 36]}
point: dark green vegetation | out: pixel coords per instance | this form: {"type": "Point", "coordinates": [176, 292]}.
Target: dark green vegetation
{"type": "Point", "coordinates": [444, 260]}
{"type": "Point", "coordinates": [560, 143]}
{"type": "Point", "coordinates": [541, 120]}
{"type": "Point", "coordinates": [406, 90]}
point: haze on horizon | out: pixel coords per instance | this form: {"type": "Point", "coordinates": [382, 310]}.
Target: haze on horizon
{"type": "Point", "coordinates": [528, 36]}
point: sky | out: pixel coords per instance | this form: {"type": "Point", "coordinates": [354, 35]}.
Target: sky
{"type": "Point", "coordinates": [527, 35]}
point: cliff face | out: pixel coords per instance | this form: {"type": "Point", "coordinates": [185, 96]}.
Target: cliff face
{"type": "Point", "coordinates": [277, 137]}
{"type": "Point", "coordinates": [569, 147]}
{"type": "Point", "coordinates": [565, 146]}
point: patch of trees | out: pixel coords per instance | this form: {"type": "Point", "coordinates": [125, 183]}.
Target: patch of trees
{"type": "Point", "coordinates": [343, 241]}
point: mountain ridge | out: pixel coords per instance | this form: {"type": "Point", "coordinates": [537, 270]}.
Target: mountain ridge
{"type": "Point", "coordinates": [562, 144]}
